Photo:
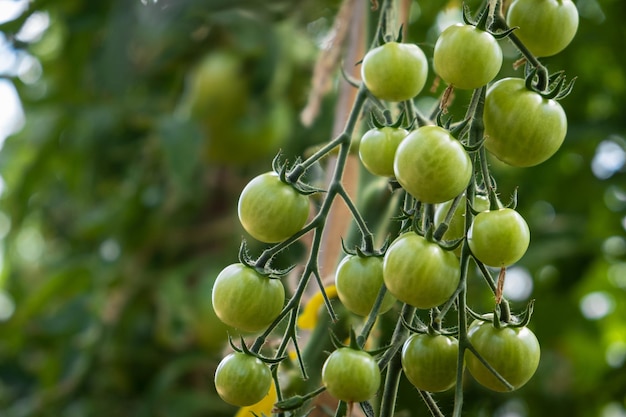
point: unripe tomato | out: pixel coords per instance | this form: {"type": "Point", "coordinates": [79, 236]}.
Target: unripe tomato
{"type": "Point", "coordinates": [467, 57]}
{"type": "Point", "coordinates": [456, 227]}
{"type": "Point", "coordinates": [419, 272]}
{"type": "Point", "coordinates": [522, 128]}
{"type": "Point", "coordinates": [378, 149]}
{"type": "Point", "coordinates": [546, 27]}
{"type": "Point", "coordinates": [246, 300]}
{"type": "Point", "coordinates": [395, 71]}
{"type": "Point", "coordinates": [432, 165]}
{"type": "Point", "coordinates": [512, 351]}
{"type": "Point", "coordinates": [242, 379]}
{"type": "Point", "coordinates": [430, 361]}
{"type": "Point", "coordinates": [498, 238]}
{"type": "Point", "coordinates": [351, 375]}
{"type": "Point", "coordinates": [271, 210]}
{"type": "Point", "coordinates": [358, 280]}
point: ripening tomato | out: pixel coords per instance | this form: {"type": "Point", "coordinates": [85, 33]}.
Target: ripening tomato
{"type": "Point", "coordinates": [498, 238]}
{"type": "Point", "coordinates": [522, 128]}
{"type": "Point", "coordinates": [456, 227]}
{"type": "Point", "coordinates": [546, 27]}
{"type": "Point", "coordinates": [467, 57]}
{"type": "Point", "coordinates": [419, 272]}
{"type": "Point", "coordinates": [271, 210]}
{"type": "Point", "coordinates": [242, 379]}
{"type": "Point", "coordinates": [245, 299]}
{"type": "Point", "coordinates": [351, 375]}
{"type": "Point", "coordinates": [432, 165]}
{"type": "Point", "coordinates": [395, 71]}
{"type": "Point", "coordinates": [512, 351]}
{"type": "Point", "coordinates": [378, 148]}
{"type": "Point", "coordinates": [430, 361]}
{"type": "Point", "coordinates": [358, 281]}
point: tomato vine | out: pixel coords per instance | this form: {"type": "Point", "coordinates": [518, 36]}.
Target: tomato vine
{"type": "Point", "coordinates": [439, 166]}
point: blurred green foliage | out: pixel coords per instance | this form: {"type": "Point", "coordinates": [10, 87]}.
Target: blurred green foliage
{"type": "Point", "coordinates": [121, 188]}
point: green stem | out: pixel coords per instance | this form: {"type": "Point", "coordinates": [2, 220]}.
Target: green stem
{"type": "Point", "coordinates": [368, 237]}
{"type": "Point", "coordinates": [390, 389]}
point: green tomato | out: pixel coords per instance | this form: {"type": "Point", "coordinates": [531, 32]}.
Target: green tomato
{"type": "Point", "coordinates": [498, 238]}
{"type": "Point", "coordinates": [351, 375]}
{"type": "Point", "coordinates": [522, 128]}
{"type": "Point", "coordinates": [467, 57]}
{"type": "Point", "coordinates": [358, 280]}
{"type": "Point", "coordinates": [546, 27]}
{"type": "Point", "coordinates": [395, 71]}
{"type": "Point", "coordinates": [271, 210]}
{"type": "Point", "coordinates": [378, 148]}
{"type": "Point", "coordinates": [242, 379]}
{"type": "Point", "coordinates": [430, 361]}
{"type": "Point", "coordinates": [432, 165]}
{"type": "Point", "coordinates": [456, 227]}
{"type": "Point", "coordinates": [245, 299]}
{"type": "Point", "coordinates": [419, 272]}
{"type": "Point", "coordinates": [513, 352]}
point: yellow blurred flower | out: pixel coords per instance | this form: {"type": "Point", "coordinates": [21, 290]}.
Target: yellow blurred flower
{"type": "Point", "coordinates": [262, 408]}
{"type": "Point", "coordinates": [308, 318]}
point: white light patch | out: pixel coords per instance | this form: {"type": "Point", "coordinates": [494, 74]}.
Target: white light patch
{"type": "Point", "coordinates": [518, 284]}
{"type": "Point", "coordinates": [596, 305]}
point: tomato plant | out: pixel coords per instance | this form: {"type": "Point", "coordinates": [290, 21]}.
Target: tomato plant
{"type": "Point", "coordinates": [456, 227]}
{"type": "Point", "coordinates": [499, 238]}
{"type": "Point", "coordinates": [242, 379]}
{"type": "Point", "coordinates": [395, 71]}
{"type": "Point", "coordinates": [419, 272]}
{"type": "Point", "coordinates": [513, 352]}
{"type": "Point", "coordinates": [377, 149]}
{"type": "Point", "coordinates": [351, 375]}
{"type": "Point", "coordinates": [358, 280]}
{"type": "Point", "coordinates": [546, 27]}
{"type": "Point", "coordinates": [271, 210]}
{"type": "Point", "coordinates": [245, 299]}
{"type": "Point", "coordinates": [432, 165]}
{"type": "Point", "coordinates": [430, 361]}
{"type": "Point", "coordinates": [466, 57]}
{"type": "Point", "coordinates": [525, 140]}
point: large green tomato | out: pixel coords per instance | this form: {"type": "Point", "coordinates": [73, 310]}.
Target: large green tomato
{"type": "Point", "coordinates": [498, 238]}
{"type": "Point", "coordinates": [456, 227]}
{"type": "Point", "coordinates": [395, 71]}
{"type": "Point", "coordinates": [351, 375]}
{"type": "Point", "coordinates": [271, 210]}
{"type": "Point", "coordinates": [432, 165]}
{"type": "Point", "coordinates": [377, 149]}
{"type": "Point", "coordinates": [430, 361]}
{"type": "Point", "coordinates": [246, 300]}
{"type": "Point", "coordinates": [522, 128]}
{"type": "Point", "coordinates": [242, 379]}
{"type": "Point", "coordinates": [358, 280]}
{"type": "Point", "coordinates": [546, 27]}
{"type": "Point", "coordinates": [466, 57]}
{"type": "Point", "coordinates": [512, 351]}
{"type": "Point", "coordinates": [419, 272]}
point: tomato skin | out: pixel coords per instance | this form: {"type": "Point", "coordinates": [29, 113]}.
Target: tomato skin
{"type": "Point", "coordinates": [522, 128]}
{"type": "Point", "coordinates": [513, 352]}
{"type": "Point", "coordinates": [467, 57]}
{"type": "Point", "coordinates": [246, 300]}
{"type": "Point", "coordinates": [242, 379]}
{"type": "Point", "coordinates": [546, 27]}
{"type": "Point", "coordinates": [430, 361]}
{"type": "Point", "coordinates": [419, 272]}
{"type": "Point", "coordinates": [378, 149]}
{"type": "Point", "coordinates": [456, 227]}
{"type": "Point", "coordinates": [498, 238]}
{"type": "Point", "coordinates": [432, 165]}
{"type": "Point", "coordinates": [351, 375]}
{"type": "Point", "coordinates": [358, 281]}
{"type": "Point", "coordinates": [271, 210]}
{"type": "Point", "coordinates": [395, 71]}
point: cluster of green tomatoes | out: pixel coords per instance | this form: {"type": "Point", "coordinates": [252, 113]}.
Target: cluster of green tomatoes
{"type": "Point", "coordinates": [451, 214]}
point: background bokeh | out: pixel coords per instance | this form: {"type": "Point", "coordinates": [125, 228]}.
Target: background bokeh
{"type": "Point", "coordinates": [137, 125]}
